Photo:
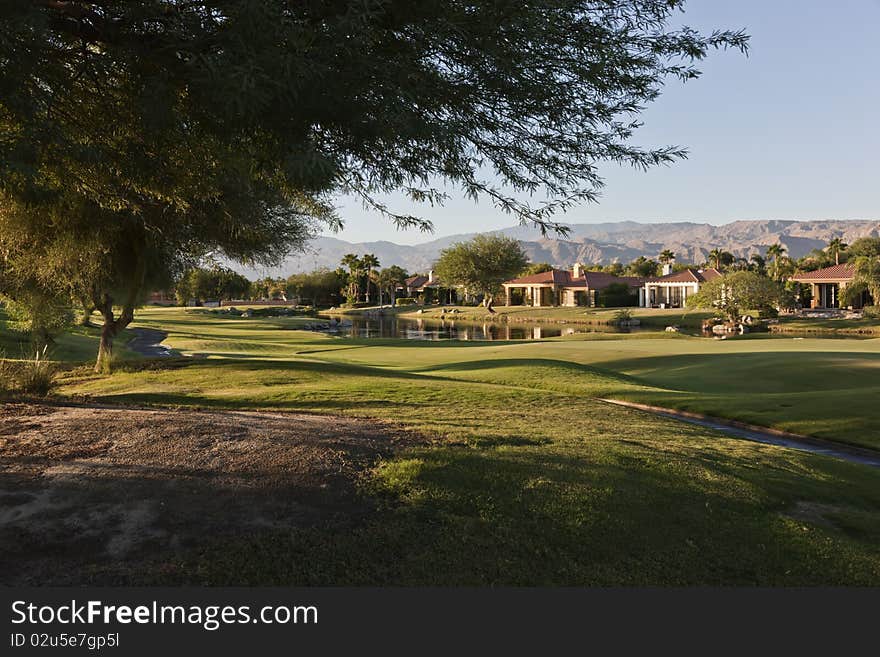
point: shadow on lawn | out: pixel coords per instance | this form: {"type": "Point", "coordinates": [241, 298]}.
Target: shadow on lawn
{"type": "Point", "coordinates": [539, 517]}
{"type": "Point", "coordinates": [594, 510]}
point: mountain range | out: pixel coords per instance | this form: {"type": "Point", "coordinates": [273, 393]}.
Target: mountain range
{"type": "Point", "coordinates": [602, 243]}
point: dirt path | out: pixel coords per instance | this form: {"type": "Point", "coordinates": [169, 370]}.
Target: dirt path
{"type": "Point", "coordinates": [147, 342]}
{"type": "Point", "coordinates": [93, 495]}
{"type": "Point", "coordinates": [761, 434]}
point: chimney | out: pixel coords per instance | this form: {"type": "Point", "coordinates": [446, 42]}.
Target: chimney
{"type": "Point", "coordinates": [576, 270]}
{"type": "Point", "coordinates": [667, 268]}
{"type": "Point", "coordinates": [431, 276]}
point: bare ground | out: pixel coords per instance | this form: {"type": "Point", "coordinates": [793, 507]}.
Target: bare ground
{"type": "Point", "coordinates": [92, 495]}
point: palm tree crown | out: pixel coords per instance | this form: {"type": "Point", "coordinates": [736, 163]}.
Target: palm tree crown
{"type": "Point", "coordinates": [835, 246]}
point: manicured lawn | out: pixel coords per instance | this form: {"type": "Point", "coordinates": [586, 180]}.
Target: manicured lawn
{"type": "Point", "coordinates": [528, 478]}
{"type": "Point", "coordinates": [864, 326]}
{"type": "Point", "coordinates": [77, 345]}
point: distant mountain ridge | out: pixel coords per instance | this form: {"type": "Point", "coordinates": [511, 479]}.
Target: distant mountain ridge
{"type": "Point", "coordinates": [602, 243]}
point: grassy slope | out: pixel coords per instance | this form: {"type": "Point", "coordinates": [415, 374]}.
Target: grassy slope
{"type": "Point", "coordinates": [78, 345]}
{"type": "Point", "coordinates": [530, 480]}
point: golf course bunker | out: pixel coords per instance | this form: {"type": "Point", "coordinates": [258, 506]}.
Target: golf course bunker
{"type": "Point", "coordinates": [89, 494]}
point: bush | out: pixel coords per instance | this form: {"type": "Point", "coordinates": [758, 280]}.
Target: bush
{"type": "Point", "coordinates": [358, 304]}
{"type": "Point", "coordinates": [37, 376]}
{"type": "Point", "coordinates": [871, 312]}
{"type": "Point", "coordinates": [622, 316]}
{"type": "Point", "coordinates": [404, 301]}
{"type": "Point", "coordinates": [617, 295]}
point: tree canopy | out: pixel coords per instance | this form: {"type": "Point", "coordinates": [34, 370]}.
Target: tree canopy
{"type": "Point", "coordinates": [482, 264]}
{"type": "Point", "coordinates": [175, 129]}
{"type": "Point", "coordinates": [741, 291]}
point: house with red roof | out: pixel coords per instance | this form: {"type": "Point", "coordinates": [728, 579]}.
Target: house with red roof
{"type": "Point", "coordinates": [828, 285]}
{"type": "Point", "coordinates": [562, 287]}
{"type": "Point", "coordinates": [429, 288]}
{"type": "Point", "coordinates": [673, 288]}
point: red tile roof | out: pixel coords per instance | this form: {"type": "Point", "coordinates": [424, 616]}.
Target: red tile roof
{"type": "Point", "coordinates": [688, 276]}
{"type": "Point", "coordinates": [552, 277]}
{"type": "Point", "coordinates": [843, 272]}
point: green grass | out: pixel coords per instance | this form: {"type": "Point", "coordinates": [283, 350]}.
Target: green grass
{"type": "Point", "coordinates": [864, 326]}
{"type": "Point", "coordinates": [530, 479]}
{"type": "Point", "coordinates": [78, 345]}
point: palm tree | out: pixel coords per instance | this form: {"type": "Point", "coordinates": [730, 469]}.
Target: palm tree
{"type": "Point", "coordinates": [741, 264]}
{"type": "Point", "coordinates": [718, 256]}
{"type": "Point", "coordinates": [758, 263]}
{"type": "Point", "coordinates": [835, 246]}
{"type": "Point", "coordinates": [666, 256]}
{"type": "Point", "coordinates": [775, 253]}
{"type": "Point", "coordinates": [355, 266]}
{"type": "Point", "coordinates": [369, 262]}
{"type": "Point", "coordinates": [867, 274]}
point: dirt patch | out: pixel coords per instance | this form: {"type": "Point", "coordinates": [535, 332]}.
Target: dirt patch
{"type": "Point", "coordinates": [91, 495]}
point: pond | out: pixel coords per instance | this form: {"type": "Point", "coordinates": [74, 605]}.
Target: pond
{"type": "Point", "coordinates": [435, 329]}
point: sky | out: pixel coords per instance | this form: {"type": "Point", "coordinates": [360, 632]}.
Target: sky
{"type": "Point", "coordinates": [788, 132]}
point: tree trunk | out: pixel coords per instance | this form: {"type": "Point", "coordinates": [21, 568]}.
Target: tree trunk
{"type": "Point", "coordinates": [105, 347]}
{"type": "Point", "coordinates": [87, 309]}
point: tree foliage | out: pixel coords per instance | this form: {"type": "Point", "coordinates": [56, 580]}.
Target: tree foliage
{"type": "Point", "coordinates": [177, 129]}
{"type": "Point", "coordinates": [215, 283]}
{"type": "Point", "coordinates": [321, 287]}
{"type": "Point", "coordinates": [738, 292]}
{"type": "Point", "coordinates": [482, 264]}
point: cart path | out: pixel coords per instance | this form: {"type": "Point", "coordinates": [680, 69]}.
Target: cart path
{"type": "Point", "coordinates": [148, 342]}
{"type": "Point", "coordinates": [763, 435]}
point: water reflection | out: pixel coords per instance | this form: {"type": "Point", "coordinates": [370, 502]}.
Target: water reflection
{"type": "Point", "coordinates": [431, 329]}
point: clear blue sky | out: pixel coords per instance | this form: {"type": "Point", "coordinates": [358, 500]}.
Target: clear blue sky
{"type": "Point", "coordinates": [788, 132]}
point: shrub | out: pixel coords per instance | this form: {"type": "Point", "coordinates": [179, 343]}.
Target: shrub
{"type": "Point", "coordinates": [404, 301]}
{"type": "Point", "coordinates": [871, 312]}
{"type": "Point", "coordinates": [37, 376]}
{"type": "Point", "coordinates": [622, 316]}
{"type": "Point", "coordinates": [616, 295]}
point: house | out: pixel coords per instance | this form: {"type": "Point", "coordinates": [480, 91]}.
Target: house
{"type": "Point", "coordinates": [672, 289]}
{"type": "Point", "coordinates": [161, 298]}
{"type": "Point", "coordinates": [828, 286]}
{"type": "Point", "coordinates": [428, 288]}
{"type": "Point", "coordinates": [561, 287]}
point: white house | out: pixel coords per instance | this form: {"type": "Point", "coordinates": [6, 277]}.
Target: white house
{"type": "Point", "coordinates": [672, 289]}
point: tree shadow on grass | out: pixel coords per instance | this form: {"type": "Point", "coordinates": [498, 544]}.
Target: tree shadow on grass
{"type": "Point", "coordinates": [598, 510]}
{"type": "Point", "coordinates": [534, 517]}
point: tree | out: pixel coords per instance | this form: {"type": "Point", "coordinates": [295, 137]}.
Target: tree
{"type": "Point", "coordinates": [835, 247]}
{"type": "Point", "coordinates": [758, 264]}
{"type": "Point", "coordinates": [185, 129]}
{"type": "Point", "coordinates": [866, 277]}
{"type": "Point", "coordinates": [536, 268]}
{"type": "Point", "coordinates": [482, 264]}
{"type": "Point", "coordinates": [775, 252]}
{"type": "Point", "coordinates": [320, 287]}
{"type": "Point", "coordinates": [738, 292]}
{"type": "Point", "coordinates": [666, 256]}
{"type": "Point", "coordinates": [864, 247]}
{"type": "Point", "coordinates": [389, 279]}
{"type": "Point", "coordinates": [720, 259]}
{"type": "Point", "coordinates": [355, 267]}
{"type": "Point", "coordinates": [643, 267]}
{"type": "Point", "coordinates": [219, 283]}
{"type": "Point", "coordinates": [369, 262]}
